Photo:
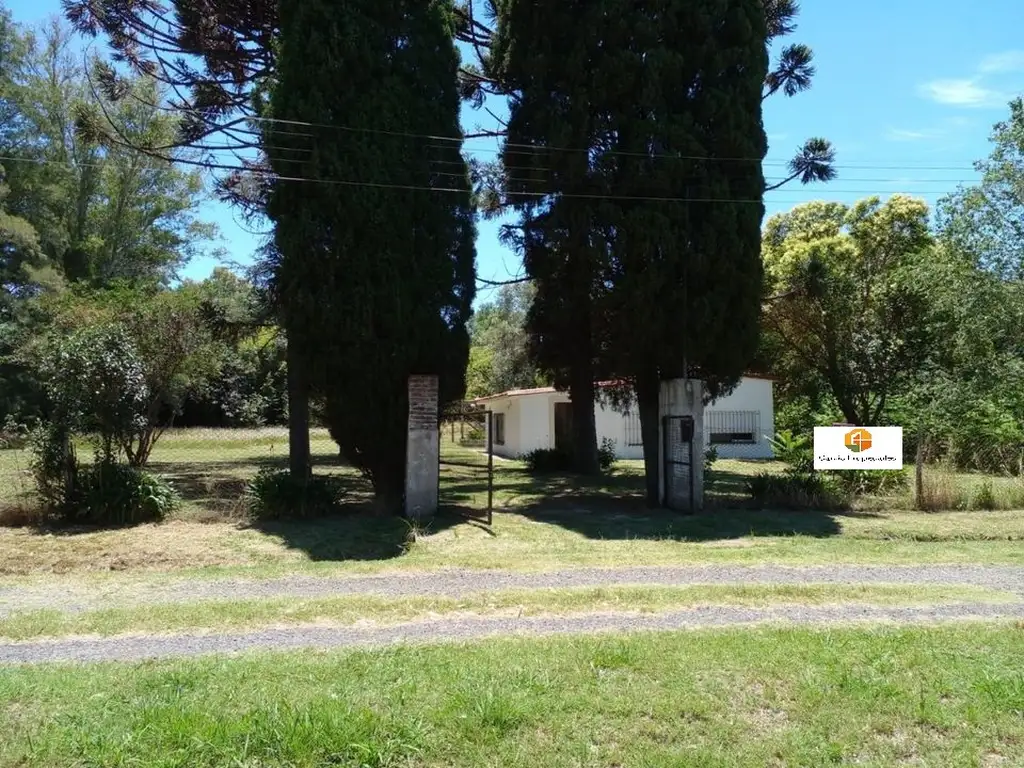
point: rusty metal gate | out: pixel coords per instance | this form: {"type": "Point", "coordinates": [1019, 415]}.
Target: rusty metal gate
{"type": "Point", "coordinates": [678, 453]}
{"type": "Point", "coordinates": [465, 483]}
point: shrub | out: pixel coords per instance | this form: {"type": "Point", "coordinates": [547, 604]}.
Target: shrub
{"type": "Point", "coordinates": [276, 495]}
{"type": "Point", "coordinates": [606, 453]}
{"type": "Point", "coordinates": [13, 434]}
{"type": "Point", "coordinates": [108, 493]}
{"type": "Point", "coordinates": [795, 490]}
{"type": "Point", "coordinates": [797, 452]}
{"type": "Point", "coordinates": [55, 468]}
{"type": "Point", "coordinates": [984, 498]}
{"type": "Point", "coordinates": [546, 460]}
{"type": "Point", "coordinates": [878, 482]}
{"type": "Point", "coordinates": [710, 476]}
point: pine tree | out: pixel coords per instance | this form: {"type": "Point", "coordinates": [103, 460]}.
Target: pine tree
{"type": "Point", "coordinates": [376, 275]}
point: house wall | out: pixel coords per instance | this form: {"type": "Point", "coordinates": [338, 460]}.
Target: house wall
{"type": "Point", "coordinates": [750, 395]}
{"type": "Point", "coordinates": [537, 421]}
{"type": "Point", "coordinates": [615, 426]}
{"type": "Point", "coordinates": [530, 422]}
{"type": "Point", "coordinates": [509, 407]}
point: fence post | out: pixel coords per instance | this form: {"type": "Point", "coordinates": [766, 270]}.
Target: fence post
{"type": "Point", "coordinates": [919, 473]}
{"type": "Point", "coordinates": [490, 468]}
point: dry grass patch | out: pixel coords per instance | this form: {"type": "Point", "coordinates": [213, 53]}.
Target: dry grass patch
{"type": "Point", "coordinates": [220, 616]}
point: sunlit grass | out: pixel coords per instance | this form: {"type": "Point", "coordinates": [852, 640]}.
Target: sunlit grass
{"type": "Point", "coordinates": [951, 696]}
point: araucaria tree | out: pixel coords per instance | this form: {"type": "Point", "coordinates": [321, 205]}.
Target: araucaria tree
{"type": "Point", "coordinates": [374, 223]}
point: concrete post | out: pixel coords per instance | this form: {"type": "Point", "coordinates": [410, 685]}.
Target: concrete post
{"type": "Point", "coordinates": [422, 449]}
{"type": "Point", "coordinates": [683, 397]}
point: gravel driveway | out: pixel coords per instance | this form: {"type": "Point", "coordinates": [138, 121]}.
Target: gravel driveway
{"type": "Point", "coordinates": [457, 629]}
{"type": "Point", "coordinates": [458, 582]}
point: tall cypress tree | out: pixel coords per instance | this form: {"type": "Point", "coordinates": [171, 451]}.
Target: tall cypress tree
{"type": "Point", "coordinates": [376, 273]}
{"type": "Point", "coordinates": [547, 56]}
{"type": "Point", "coordinates": [685, 274]}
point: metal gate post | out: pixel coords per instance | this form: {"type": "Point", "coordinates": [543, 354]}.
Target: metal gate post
{"type": "Point", "coordinates": [692, 508]}
{"type": "Point", "coordinates": [665, 426]}
{"type": "Point", "coordinates": [490, 467]}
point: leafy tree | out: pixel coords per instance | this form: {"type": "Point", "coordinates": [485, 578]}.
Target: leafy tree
{"type": "Point", "coordinates": [986, 220]}
{"type": "Point", "coordinates": [847, 310]}
{"type": "Point", "coordinates": [167, 334]}
{"type": "Point", "coordinates": [969, 399]}
{"type": "Point", "coordinates": [104, 213]}
{"type": "Point", "coordinates": [500, 345]}
{"type": "Point", "coordinates": [376, 273]}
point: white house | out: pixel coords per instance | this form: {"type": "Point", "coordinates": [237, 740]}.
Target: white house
{"type": "Point", "coordinates": [739, 425]}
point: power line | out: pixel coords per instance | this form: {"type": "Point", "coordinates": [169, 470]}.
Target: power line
{"type": "Point", "coordinates": [546, 148]}
{"type": "Point", "coordinates": [538, 194]}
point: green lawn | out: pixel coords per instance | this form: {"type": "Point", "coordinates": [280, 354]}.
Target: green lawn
{"type": "Point", "coordinates": [540, 523]}
{"type": "Point", "coordinates": [951, 696]}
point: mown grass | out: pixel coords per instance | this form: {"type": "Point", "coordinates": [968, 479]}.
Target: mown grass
{"type": "Point", "coordinates": [250, 614]}
{"type": "Point", "coordinates": [951, 696]}
{"type": "Point", "coordinates": [540, 540]}
{"type": "Point", "coordinates": [540, 523]}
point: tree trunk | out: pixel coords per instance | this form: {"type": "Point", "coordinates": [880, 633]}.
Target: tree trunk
{"type": "Point", "coordinates": [648, 396]}
{"type": "Point", "coordinates": [298, 418]}
{"type": "Point", "coordinates": [389, 491]}
{"type": "Point", "coordinates": [584, 425]}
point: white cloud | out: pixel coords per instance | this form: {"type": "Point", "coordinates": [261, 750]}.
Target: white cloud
{"type": "Point", "coordinates": [901, 134]}
{"type": "Point", "coordinates": [1007, 61]}
{"type": "Point", "coordinates": [963, 93]}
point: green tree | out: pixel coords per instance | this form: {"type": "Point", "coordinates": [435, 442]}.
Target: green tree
{"type": "Point", "coordinates": [986, 220]}
{"type": "Point", "coordinates": [614, 159]}
{"type": "Point", "coordinates": [376, 273]}
{"type": "Point", "coordinates": [104, 212]}
{"type": "Point", "coordinates": [170, 339]}
{"type": "Point", "coordinates": [846, 309]}
{"type": "Point", "coordinates": [500, 345]}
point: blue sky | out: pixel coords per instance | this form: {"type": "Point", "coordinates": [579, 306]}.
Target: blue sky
{"type": "Point", "coordinates": [907, 91]}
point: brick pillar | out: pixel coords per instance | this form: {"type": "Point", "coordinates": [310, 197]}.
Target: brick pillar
{"type": "Point", "coordinates": [422, 448]}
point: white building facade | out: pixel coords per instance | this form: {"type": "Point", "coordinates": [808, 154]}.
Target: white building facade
{"type": "Point", "coordinates": [738, 425]}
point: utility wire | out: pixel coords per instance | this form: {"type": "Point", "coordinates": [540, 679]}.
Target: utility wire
{"type": "Point", "coordinates": [273, 178]}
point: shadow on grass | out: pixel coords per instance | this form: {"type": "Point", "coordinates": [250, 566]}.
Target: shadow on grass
{"type": "Point", "coordinates": [613, 507]}
{"type": "Point", "coordinates": [358, 532]}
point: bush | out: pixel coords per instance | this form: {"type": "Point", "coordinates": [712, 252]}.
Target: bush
{"type": "Point", "coordinates": [797, 452]}
{"type": "Point", "coordinates": [876, 482]}
{"type": "Point", "coordinates": [710, 476]}
{"type": "Point", "coordinates": [276, 495]}
{"type": "Point", "coordinates": [606, 454]}
{"type": "Point", "coordinates": [108, 493]}
{"type": "Point", "coordinates": [13, 434]}
{"type": "Point", "coordinates": [796, 490]}
{"type": "Point", "coordinates": [546, 460]}
{"type": "Point", "coordinates": [984, 498]}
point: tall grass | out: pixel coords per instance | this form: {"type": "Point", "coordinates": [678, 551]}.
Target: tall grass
{"type": "Point", "coordinates": [944, 488]}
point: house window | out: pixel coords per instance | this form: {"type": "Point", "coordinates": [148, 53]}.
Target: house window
{"type": "Point", "coordinates": [499, 428]}
{"type": "Point", "coordinates": [633, 434]}
{"type": "Point", "coordinates": [725, 427]}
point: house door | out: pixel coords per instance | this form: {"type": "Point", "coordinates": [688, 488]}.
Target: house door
{"type": "Point", "coordinates": [563, 426]}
